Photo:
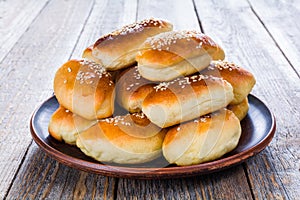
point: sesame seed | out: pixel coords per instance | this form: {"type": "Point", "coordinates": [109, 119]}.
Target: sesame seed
{"type": "Point", "coordinates": [164, 40]}
{"type": "Point", "coordinates": [69, 69]}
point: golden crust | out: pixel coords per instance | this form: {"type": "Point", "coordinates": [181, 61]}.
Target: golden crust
{"type": "Point", "coordinates": [85, 88]}
{"type": "Point", "coordinates": [186, 98]}
{"type": "Point", "coordinates": [241, 80]}
{"type": "Point", "coordinates": [65, 126]}
{"type": "Point", "coordinates": [173, 47]}
{"type": "Point", "coordinates": [240, 110]}
{"type": "Point", "coordinates": [132, 89]}
{"type": "Point", "coordinates": [123, 139]}
{"type": "Point", "coordinates": [114, 49]}
{"type": "Point", "coordinates": [133, 29]}
{"type": "Point", "coordinates": [203, 139]}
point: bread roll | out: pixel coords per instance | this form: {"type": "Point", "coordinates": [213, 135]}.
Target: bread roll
{"type": "Point", "coordinates": [118, 49]}
{"type": "Point", "coordinates": [240, 110]}
{"type": "Point", "coordinates": [129, 139]}
{"type": "Point", "coordinates": [241, 80]}
{"type": "Point", "coordinates": [186, 98]}
{"type": "Point", "coordinates": [85, 88]}
{"type": "Point", "coordinates": [88, 55]}
{"type": "Point", "coordinates": [204, 139]}
{"type": "Point", "coordinates": [132, 89]}
{"type": "Point", "coordinates": [176, 53]}
{"type": "Point", "coordinates": [65, 126]}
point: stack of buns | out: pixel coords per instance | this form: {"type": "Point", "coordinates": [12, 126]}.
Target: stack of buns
{"type": "Point", "coordinates": [146, 91]}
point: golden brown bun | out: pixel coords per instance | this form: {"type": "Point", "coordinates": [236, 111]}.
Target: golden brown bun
{"type": "Point", "coordinates": [126, 139]}
{"type": "Point", "coordinates": [241, 80]}
{"type": "Point", "coordinates": [186, 98]}
{"type": "Point", "coordinates": [118, 49]}
{"type": "Point", "coordinates": [204, 139]}
{"type": "Point", "coordinates": [175, 53]}
{"type": "Point", "coordinates": [65, 126]}
{"type": "Point", "coordinates": [240, 110]}
{"type": "Point", "coordinates": [85, 88]}
{"type": "Point", "coordinates": [87, 54]}
{"type": "Point", "coordinates": [132, 89]}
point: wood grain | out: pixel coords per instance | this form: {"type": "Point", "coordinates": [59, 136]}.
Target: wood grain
{"type": "Point", "coordinates": [105, 17]}
{"type": "Point", "coordinates": [14, 22]}
{"type": "Point", "coordinates": [281, 19]}
{"type": "Point", "coordinates": [220, 185]}
{"type": "Point", "coordinates": [56, 181]}
{"type": "Point", "coordinates": [28, 74]}
{"type": "Point", "coordinates": [180, 13]}
{"type": "Point", "coordinates": [272, 174]}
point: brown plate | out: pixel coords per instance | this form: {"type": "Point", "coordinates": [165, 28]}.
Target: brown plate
{"type": "Point", "coordinates": [258, 129]}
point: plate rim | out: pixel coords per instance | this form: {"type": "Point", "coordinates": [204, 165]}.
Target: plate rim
{"type": "Point", "coordinates": [154, 173]}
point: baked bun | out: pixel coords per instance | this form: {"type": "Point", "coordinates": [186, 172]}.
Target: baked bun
{"type": "Point", "coordinates": [65, 126]}
{"type": "Point", "coordinates": [240, 110]}
{"type": "Point", "coordinates": [85, 88]}
{"type": "Point", "coordinates": [241, 80]}
{"type": "Point", "coordinates": [204, 139]}
{"type": "Point", "coordinates": [186, 98]}
{"type": "Point", "coordinates": [88, 55]}
{"type": "Point", "coordinates": [118, 49]}
{"type": "Point", "coordinates": [176, 53]}
{"type": "Point", "coordinates": [132, 89]}
{"type": "Point", "coordinates": [128, 139]}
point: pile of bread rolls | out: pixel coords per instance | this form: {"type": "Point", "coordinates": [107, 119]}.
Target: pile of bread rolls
{"type": "Point", "coordinates": [146, 91]}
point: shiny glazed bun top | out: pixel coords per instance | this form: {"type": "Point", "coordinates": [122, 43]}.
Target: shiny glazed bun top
{"type": "Point", "coordinates": [85, 88]}
{"type": "Point", "coordinates": [176, 53]}
{"type": "Point", "coordinates": [118, 49]}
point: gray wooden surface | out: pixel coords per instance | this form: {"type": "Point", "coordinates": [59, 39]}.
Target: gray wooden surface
{"type": "Point", "coordinates": [36, 37]}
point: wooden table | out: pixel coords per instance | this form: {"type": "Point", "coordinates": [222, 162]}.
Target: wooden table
{"type": "Point", "coordinates": [36, 37]}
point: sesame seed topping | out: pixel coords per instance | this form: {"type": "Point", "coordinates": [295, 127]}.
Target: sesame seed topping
{"type": "Point", "coordinates": [69, 69]}
{"type": "Point", "coordinates": [178, 128]}
{"type": "Point", "coordinates": [67, 111]}
{"type": "Point", "coordinates": [182, 82]}
{"type": "Point", "coordinates": [164, 40]}
{"type": "Point", "coordinates": [65, 81]}
{"type": "Point", "coordinates": [90, 70]}
{"type": "Point", "coordinates": [132, 28]}
{"type": "Point", "coordinates": [223, 65]}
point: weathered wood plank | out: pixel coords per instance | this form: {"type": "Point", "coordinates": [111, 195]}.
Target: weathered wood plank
{"type": "Point", "coordinates": [52, 180]}
{"type": "Point", "coordinates": [56, 181]}
{"type": "Point", "coordinates": [273, 173]}
{"type": "Point", "coordinates": [105, 17]}
{"type": "Point", "coordinates": [15, 17]}
{"type": "Point", "coordinates": [180, 13]}
{"type": "Point", "coordinates": [219, 185]}
{"type": "Point", "coordinates": [229, 184]}
{"type": "Point", "coordinates": [28, 75]}
{"type": "Point", "coordinates": [281, 20]}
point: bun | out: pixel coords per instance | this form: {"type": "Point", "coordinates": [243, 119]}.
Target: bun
{"type": "Point", "coordinates": [132, 89]}
{"type": "Point", "coordinates": [85, 88]}
{"type": "Point", "coordinates": [88, 55]}
{"type": "Point", "coordinates": [129, 139]}
{"type": "Point", "coordinates": [240, 110]}
{"type": "Point", "coordinates": [186, 98]}
{"type": "Point", "coordinates": [65, 126]}
{"type": "Point", "coordinates": [176, 53]}
{"type": "Point", "coordinates": [241, 80]}
{"type": "Point", "coordinates": [204, 139]}
{"type": "Point", "coordinates": [118, 49]}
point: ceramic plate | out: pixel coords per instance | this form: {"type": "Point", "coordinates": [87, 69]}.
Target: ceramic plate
{"type": "Point", "coordinates": [258, 129]}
